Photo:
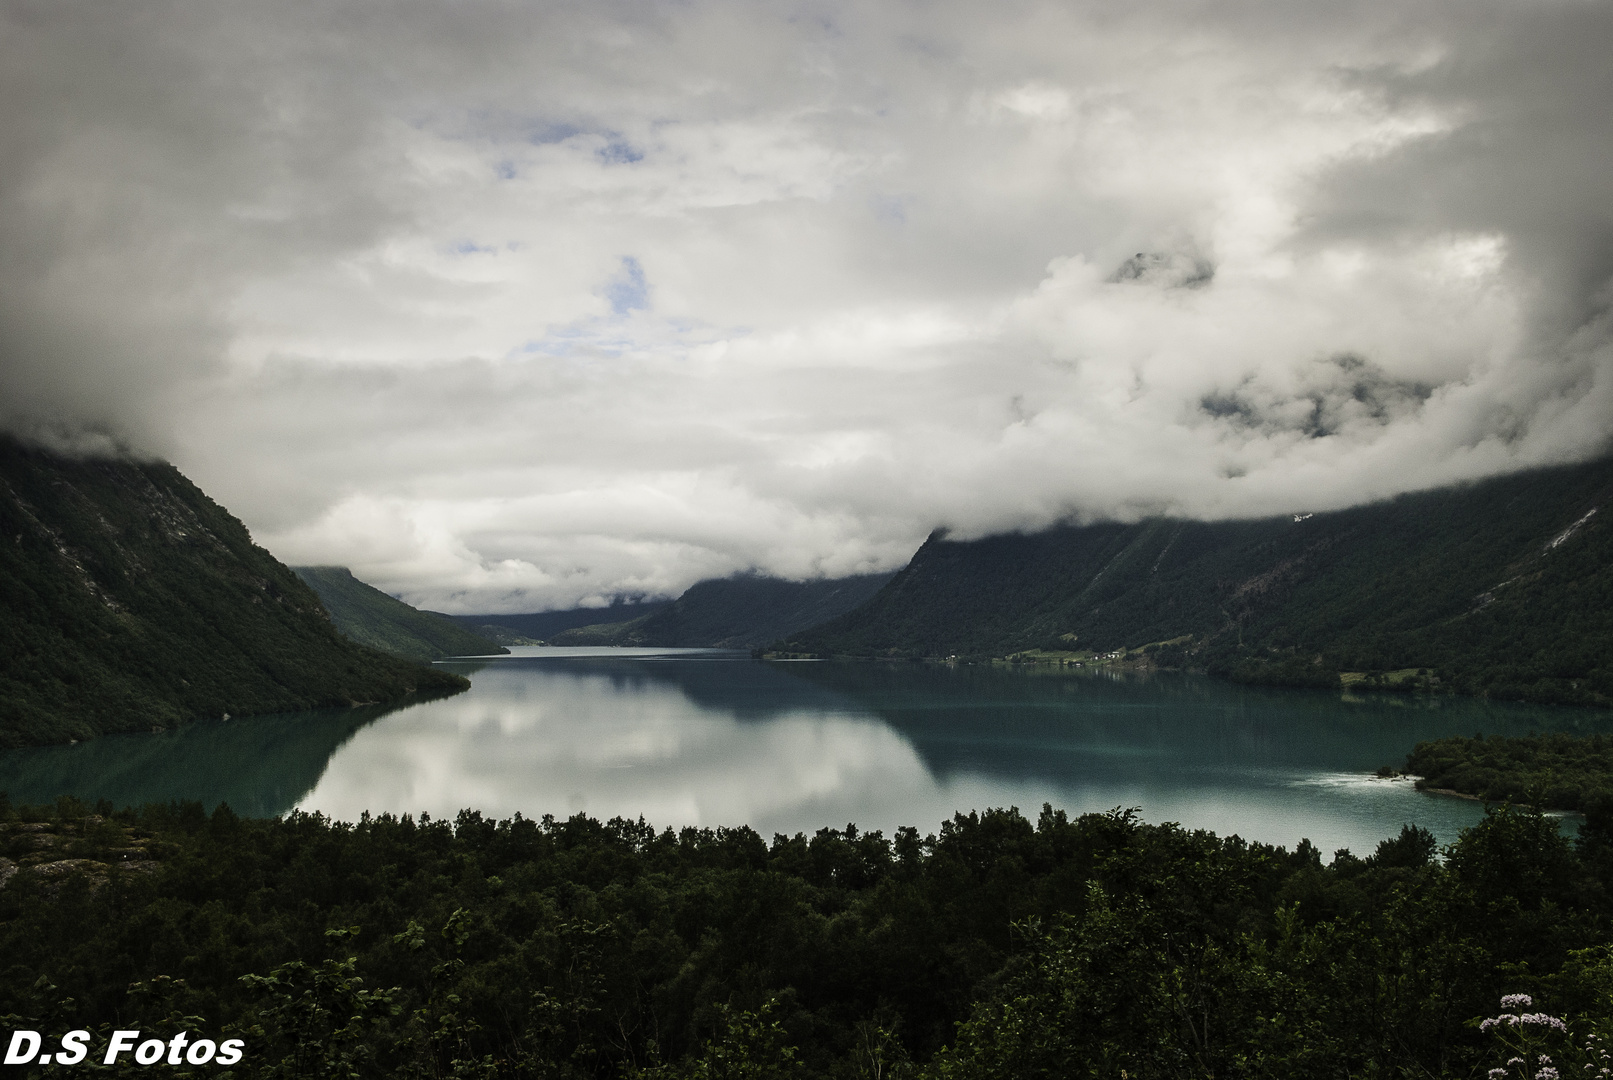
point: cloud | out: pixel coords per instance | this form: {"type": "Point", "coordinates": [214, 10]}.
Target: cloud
{"type": "Point", "coordinates": [512, 307]}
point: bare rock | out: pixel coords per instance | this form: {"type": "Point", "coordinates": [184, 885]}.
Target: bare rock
{"type": "Point", "coordinates": [53, 875]}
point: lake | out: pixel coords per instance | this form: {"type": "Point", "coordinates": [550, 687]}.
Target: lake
{"type": "Point", "coordinates": [707, 738]}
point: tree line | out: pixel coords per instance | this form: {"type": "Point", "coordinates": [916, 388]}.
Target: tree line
{"type": "Point", "coordinates": [997, 946]}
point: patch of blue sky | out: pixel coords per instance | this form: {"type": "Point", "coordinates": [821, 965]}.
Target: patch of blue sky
{"type": "Point", "coordinates": [610, 147]}
{"type": "Point", "coordinates": [587, 338]}
{"type": "Point", "coordinates": [622, 332]}
{"type": "Point", "coordinates": [687, 326]}
{"type": "Point", "coordinates": [471, 247]}
{"type": "Point", "coordinates": [619, 152]}
{"type": "Point", "coordinates": [611, 337]}
{"type": "Point", "coordinates": [564, 341]}
{"type": "Point", "coordinates": [542, 133]}
{"type": "Point", "coordinates": [628, 291]}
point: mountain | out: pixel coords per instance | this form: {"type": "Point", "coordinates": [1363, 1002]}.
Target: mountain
{"type": "Point", "coordinates": [1502, 587]}
{"type": "Point", "coordinates": [733, 613]}
{"type": "Point", "coordinates": [370, 617]}
{"type": "Point", "coordinates": [130, 601]}
{"type": "Point", "coordinates": [538, 626]}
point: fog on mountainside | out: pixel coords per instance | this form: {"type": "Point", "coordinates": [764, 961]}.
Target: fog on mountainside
{"type": "Point", "coordinates": [130, 601]}
{"type": "Point", "coordinates": [513, 308]}
{"type": "Point", "coordinates": [1502, 587]}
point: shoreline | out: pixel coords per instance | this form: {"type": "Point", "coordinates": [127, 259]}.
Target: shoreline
{"type": "Point", "coordinates": [1453, 793]}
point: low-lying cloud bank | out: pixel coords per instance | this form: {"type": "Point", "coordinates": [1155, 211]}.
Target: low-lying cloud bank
{"type": "Point", "coordinates": [510, 307]}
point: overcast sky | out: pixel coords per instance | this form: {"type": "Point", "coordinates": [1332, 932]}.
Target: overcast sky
{"type": "Point", "coordinates": [514, 306]}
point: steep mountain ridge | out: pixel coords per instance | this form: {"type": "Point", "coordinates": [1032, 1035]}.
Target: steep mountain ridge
{"type": "Point", "coordinates": [739, 612]}
{"type": "Point", "coordinates": [1504, 587]}
{"type": "Point", "coordinates": [370, 617]}
{"type": "Point", "coordinates": [130, 601]}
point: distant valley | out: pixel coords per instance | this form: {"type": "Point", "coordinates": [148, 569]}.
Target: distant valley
{"type": "Point", "coordinates": [540, 626]}
{"type": "Point", "coordinates": [133, 602]}
{"type": "Point", "coordinates": [741, 612]}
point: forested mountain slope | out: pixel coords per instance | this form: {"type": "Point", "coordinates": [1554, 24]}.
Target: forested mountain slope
{"type": "Point", "coordinates": [370, 617]}
{"type": "Point", "coordinates": [1503, 587]}
{"type": "Point", "coordinates": [734, 613]}
{"type": "Point", "coordinates": [537, 626]}
{"type": "Point", "coordinates": [129, 601]}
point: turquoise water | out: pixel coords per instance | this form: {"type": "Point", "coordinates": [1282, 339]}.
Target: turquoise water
{"type": "Point", "coordinates": [689, 737]}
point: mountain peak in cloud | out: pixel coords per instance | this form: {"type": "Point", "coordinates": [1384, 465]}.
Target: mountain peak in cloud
{"type": "Point", "coordinates": [515, 306]}
{"type": "Point", "coordinates": [1171, 270]}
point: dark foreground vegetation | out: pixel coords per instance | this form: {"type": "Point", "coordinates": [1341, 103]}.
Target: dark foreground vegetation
{"type": "Point", "coordinates": [1501, 588]}
{"type": "Point", "coordinates": [998, 947]}
{"type": "Point", "coordinates": [130, 601]}
{"type": "Point", "coordinates": [1554, 772]}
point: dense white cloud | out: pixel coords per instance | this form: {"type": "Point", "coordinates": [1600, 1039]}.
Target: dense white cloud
{"type": "Point", "coordinates": [512, 306]}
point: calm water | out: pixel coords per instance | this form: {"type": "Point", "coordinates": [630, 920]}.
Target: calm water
{"type": "Point", "coordinates": [688, 737]}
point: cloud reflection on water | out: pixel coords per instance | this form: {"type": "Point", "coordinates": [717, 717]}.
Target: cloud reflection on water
{"type": "Point", "coordinates": [711, 740]}
{"type": "Point", "coordinates": [564, 740]}
{"type": "Point", "coordinates": [705, 742]}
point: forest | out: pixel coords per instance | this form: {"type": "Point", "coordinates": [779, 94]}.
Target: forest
{"type": "Point", "coordinates": [130, 601]}
{"type": "Point", "coordinates": [368, 616]}
{"type": "Point", "coordinates": [997, 946]}
{"type": "Point", "coordinates": [1501, 588]}
{"type": "Point", "coordinates": [1557, 771]}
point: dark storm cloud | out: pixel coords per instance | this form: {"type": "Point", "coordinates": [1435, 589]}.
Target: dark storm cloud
{"type": "Point", "coordinates": [1530, 157]}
